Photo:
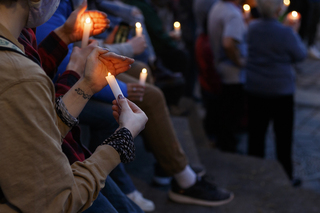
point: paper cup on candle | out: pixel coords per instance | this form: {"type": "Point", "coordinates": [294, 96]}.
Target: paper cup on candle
{"type": "Point", "coordinates": [86, 32]}
{"type": "Point", "coordinates": [139, 29]}
{"type": "Point", "coordinates": [114, 85]}
{"type": "Point", "coordinates": [143, 76]}
{"type": "Point", "coordinates": [177, 28]}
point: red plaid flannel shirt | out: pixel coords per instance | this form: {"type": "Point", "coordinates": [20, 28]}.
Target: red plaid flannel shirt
{"type": "Point", "coordinates": [49, 54]}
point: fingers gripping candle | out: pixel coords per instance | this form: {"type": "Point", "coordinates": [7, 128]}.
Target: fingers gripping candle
{"type": "Point", "coordinates": [114, 85]}
{"type": "Point", "coordinates": [143, 76]}
{"type": "Point", "coordinates": [86, 32]}
{"type": "Point", "coordinates": [139, 29]}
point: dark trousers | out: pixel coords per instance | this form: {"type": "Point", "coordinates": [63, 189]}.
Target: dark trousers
{"type": "Point", "coordinates": [279, 110]}
{"type": "Point", "coordinates": [231, 112]}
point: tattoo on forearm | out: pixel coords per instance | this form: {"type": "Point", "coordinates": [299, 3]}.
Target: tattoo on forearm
{"type": "Point", "coordinates": [81, 92]}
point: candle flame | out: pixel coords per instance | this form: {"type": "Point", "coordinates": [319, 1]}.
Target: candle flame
{"type": "Point", "coordinates": [176, 24]}
{"type": "Point", "coordinates": [286, 2]}
{"type": "Point", "coordinates": [88, 20]}
{"type": "Point", "coordinates": [294, 14]}
{"type": "Point", "coordinates": [246, 7]}
{"type": "Point", "coordinates": [138, 25]}
{"type": "Point", "coordinates": [144, 70]}
{"type": "Point", "coordinates": [109, 73]}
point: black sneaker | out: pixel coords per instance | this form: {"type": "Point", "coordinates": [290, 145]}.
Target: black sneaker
{"type": "Point", "coordinates": [201, 193]}
{"type": "Point", "coordinates": [160, 177]}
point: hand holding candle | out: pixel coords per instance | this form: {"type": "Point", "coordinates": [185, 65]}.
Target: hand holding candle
{"type": "Point", "coordinates": [293, 20]}
{"type": "Point", "coordinates": [139, 29]}
{"type": "Point", "coordinates": [143, 76]}
{"type": "Point", "coordinates": [294, 16]}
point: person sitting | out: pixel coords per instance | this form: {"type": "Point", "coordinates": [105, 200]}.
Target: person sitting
{"type": "Point", "coordinates": [271, 83]}
{"type": "Point", "coordinates": [167, 148]}
{"type": "Point", "coordinates": [33, 131]}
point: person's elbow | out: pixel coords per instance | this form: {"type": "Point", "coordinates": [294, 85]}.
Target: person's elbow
{"type": "Point", "coordinates": [228, 43]}
{"type": "Point", "coordinates": [300, 55]}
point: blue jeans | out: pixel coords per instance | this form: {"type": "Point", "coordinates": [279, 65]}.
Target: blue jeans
{"type": "Point", "coordinates": [98, 116]}
{"type": "Point", "coordinates": [112, 201]}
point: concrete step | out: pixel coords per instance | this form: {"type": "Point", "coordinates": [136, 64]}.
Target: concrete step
{"type": "Point", "coordinates": [259, 185]}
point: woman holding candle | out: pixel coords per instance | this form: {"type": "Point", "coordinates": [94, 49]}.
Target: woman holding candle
{"type": "Point", "coordinates": [52, 185]}
{"type": "Point", "coordinates": [271, 82]}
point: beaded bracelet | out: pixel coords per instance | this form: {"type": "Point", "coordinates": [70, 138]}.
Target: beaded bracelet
{"type": "Point", "coordinates": [64, 115]}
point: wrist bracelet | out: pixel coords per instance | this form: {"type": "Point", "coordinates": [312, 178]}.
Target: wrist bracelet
{"type": "Point", "coordinates": [63, 113]}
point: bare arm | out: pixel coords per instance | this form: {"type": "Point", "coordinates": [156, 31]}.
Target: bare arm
{"type": "Point", "coordinates": [232, 51]}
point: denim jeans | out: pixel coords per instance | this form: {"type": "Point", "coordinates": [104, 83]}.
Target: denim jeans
{"type": "Point", "coordinates": [98, 116]}
{"type": "Point", "coordinates": [112, 201]}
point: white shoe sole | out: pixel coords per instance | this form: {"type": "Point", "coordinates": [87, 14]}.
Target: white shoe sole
{"type": "Point", "coordinates": [188, 200]}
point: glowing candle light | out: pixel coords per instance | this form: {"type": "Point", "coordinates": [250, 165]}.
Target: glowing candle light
{"type": "Point", "coordinates": [139, 29]}
{"type": "Point", "coordinates": [143, 76]}
{"type": "Point", "coordinates": [177, 28]}
{"type": "Point", "coordinates": [294, 16]}
{"type": "Point", "coordinates": [247, 10]}
{"type": "Point", "coordinates": [286, 3]}
{"type": "Point", "coordinates": [86, 32]}
{"type": "Point", "coordinates": [114, 85]}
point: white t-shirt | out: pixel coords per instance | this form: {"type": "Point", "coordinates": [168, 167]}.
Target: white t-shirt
{"type": "Point", "coordinates": [225, 20]}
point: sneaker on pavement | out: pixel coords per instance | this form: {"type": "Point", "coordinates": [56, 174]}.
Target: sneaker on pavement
{"type": "Point", "coordinates": [314, 52]}
{"type": "Point", "coordinates": [162, 179]}
{"type": "Point", "coordinates": [201, 193]}
{"type": "Point", "coordinates": [145, 204]}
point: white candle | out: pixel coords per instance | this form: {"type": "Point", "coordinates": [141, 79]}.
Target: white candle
{"type": "Point", "coordinates": [86, 32]}
{"type": "Point", "coordinates": [247, 10]}
{"type": "Point", "coordinates": [143, 76]}
{"type": "Point", "coordinates": [286, 4]}
{"type": "Point", "coordinates": [177, 28]}
{"type": "Point", "coordinates": [139, 29]}
{"type": "Point", "coordinates": [114, 85]}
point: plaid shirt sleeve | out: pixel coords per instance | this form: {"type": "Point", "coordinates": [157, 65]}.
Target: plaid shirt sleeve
{"type": "Point", "coordinates": [65, 82]}
{"type": "Point", "coordinates": [52, 51]}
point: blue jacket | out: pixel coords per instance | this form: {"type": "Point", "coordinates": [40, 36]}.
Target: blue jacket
{"type": "Point", "coordinates": [272, 49]}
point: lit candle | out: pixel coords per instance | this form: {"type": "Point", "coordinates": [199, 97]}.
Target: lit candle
{"type": "Point", "coordinates": [294, 16]}
{"type": "Point", "coordinates": [143, 76]}
{"type": "Point", "coordinates": [177, 28]}
{"type": "Point", "coordinates": [114, 85]}
{"type": "Point", "coordinates": [286, 4]}
{"type": "Point", "coordinates": [86, 32]}
{"type": "Point", "coordinates": [139, 29]}
{"type": "Point", "coordinates": [247, 10]}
